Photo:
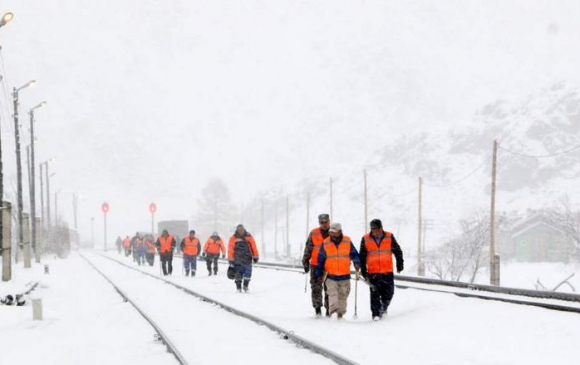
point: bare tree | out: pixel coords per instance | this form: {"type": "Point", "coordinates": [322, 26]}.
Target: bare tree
{"type": "Point", "coordinates": [215, 210]}
{"type": "Point", "coordinates": [563, 217]}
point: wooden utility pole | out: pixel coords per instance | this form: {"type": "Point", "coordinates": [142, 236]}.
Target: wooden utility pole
{"type": "Point", "coordinates": [263, 240]}
{"type": "Point", "coordinates": [493, 259]}
{"type": "Point", "coordinates": [366, 225]}
{"type": "Point", "coordinates": [307, 218]}
{"type": "Point", "coordinates": [331, 214]}
{"type": "Point", "coordinates": [288, 250]}
{"type": "Point", "coordinates": [6, 241]}
{"type": "Point", "coordinates": [275, 230]}
{"type": "Point", "coordinates": [420, 265]}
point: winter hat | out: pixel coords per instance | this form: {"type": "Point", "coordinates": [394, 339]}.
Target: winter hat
{"type": "Point", "coordinates": [215, 234]}
{"type": "Point", "coordinates": [376, 224]}
{"type": "Point", "coordinates": [335, 227]}
{"type": "Point", "coordinates": [323, 217]}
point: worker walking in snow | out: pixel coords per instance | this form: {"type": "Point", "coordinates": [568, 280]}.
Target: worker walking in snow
{"type": "Point", "coordinates": [149, 249]}
{"type": "Point", "coordinates": [211, 251]}
{"type": "Point", "coordinates": [190, 247]}
{"type": "Point", "coordinates": [165, 245]}
{"type": "Point", "coordinates": [376, 261]}
{"type": "Point", "coordinates": [119, 244]}
{"type": "Point", "coordinates": [127, 246]}
{"type": "Point", "coordinates": [242, 251]}
{"type": "Point", "coordinates": [334, 260]}
{"type": "Point", "coordinates": [136, 243]}
{"type": "Point", "coordinates": [310, 259]}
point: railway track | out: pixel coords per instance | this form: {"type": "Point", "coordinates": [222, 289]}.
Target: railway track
{"type": "Point", "coordinates": [161, 335]}
{"type": "Point", "coordinates": [546, 300]}
{"type": "Point", "coordinates": [282, 333]}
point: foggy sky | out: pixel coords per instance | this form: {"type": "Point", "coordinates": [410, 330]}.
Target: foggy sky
{"type": "Point", "coordinates": [150, 99]}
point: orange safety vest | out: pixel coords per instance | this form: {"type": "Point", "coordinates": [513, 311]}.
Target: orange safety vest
{"type": "Point", "coordinates": [379, 257]}
{"type": "Point", "coordinates": [213, 246]}
{"type": "Point", "coordinates": [126, 243]}
{"type": "Point", "coordinates": [190, 246]}
{"type": "Point", "coordinates": [317, 241]}
{"type": "Point", "coordinates": [337, 257]}
{"type": "Point", "coordinates": [150, 246]}
{"type": "Point", "coordinates": [165, 243]}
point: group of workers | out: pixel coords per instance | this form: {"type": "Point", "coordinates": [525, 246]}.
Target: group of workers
{"type": "Point", "coordinates": [328, 255]}
{"type": "Point", "coordinates": [242, 253]}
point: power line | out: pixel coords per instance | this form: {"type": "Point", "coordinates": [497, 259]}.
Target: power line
{"type": "Point", "coordinates": [540, 156]}
{"type": "Point", "coordinates": [463, 178]}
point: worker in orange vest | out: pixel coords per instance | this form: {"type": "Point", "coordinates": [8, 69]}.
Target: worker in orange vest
{"type": "Point", "coordinates": [310, 259]}
{"type": "Point", "coordinates": [191, 248]}
{"type": "Point", "coordinates": [211, 251]}
{"type": "Point", "coordinates": [376, 257]}
{"type": "Point", "coordinates": [127, 246]}
{"type": "Point", "coordinates": [165, 246]}
{"type": "Point", "coordinates": [242, 251]}
{"type": "Point", "coordinates": [150, 249]}
{"type": "Point", "coordinates": [333, 265]}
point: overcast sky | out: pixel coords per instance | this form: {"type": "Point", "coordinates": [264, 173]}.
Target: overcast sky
{"type": "Point", "coordinates": [149, 99]}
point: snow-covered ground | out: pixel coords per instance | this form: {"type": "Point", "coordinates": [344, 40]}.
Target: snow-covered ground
{"type": "Point", "coordinates": [421, 327]}
{"type": "Point", "coordinates": [85, 322]}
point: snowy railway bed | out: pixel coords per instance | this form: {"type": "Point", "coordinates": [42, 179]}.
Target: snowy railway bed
{"type": "Point", "coordinates": [162, 336]}
{"type": "Point", "coordinates": [447, 328]}
{"type": "Point", "coordinates": [204, 321]}
{"type": "Point", "coordinates": [564, 302]}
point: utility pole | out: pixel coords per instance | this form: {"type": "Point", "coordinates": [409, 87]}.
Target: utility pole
{"type": "Point", "coordinates": [493, 259]}
{"type": "Point", "coordinates": [26, 249]}
{"type": "Point", "coordinates": [420, 265]}
{"type": "Point", "coordinates": [48, 224]}
{"type": "Point", "coordinates": [56, 208]}
{"type": "Point", "coordinates": [366, 225]}
{"type": "Point", "coordinates": [276, 230]}
{"type": "Point", "coordinates": [19, 199]}
{"type": "Point", "coordinates": [32, 182]}
{"type": "Point", "coordinates": [331, 215]}
{"type": "Point", "coordinates": [75, 204]}
{"type": "Point", "coordinates": [42, 212]}
{"type": "Point", "coordinates": [307, 218]}
{"type": "Point", "coordinates": [263, 240]}
{"type": "Point", "coordinates": [288, 251]}
{"type": "Point", "coordinates": [6, 241]}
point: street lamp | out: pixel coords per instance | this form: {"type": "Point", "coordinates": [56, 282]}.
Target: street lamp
{"type": "Point", "coordinates": [32, 177]}
{"type": "Point", "coordinates": [6, 18]}
{"type": "Point", "coordinates": [19, 159]}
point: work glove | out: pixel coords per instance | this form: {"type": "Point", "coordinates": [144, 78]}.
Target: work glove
{"type": "Point", "coordinates": [223, 257]}
{"type": "Point", "coordinates": [365, 276]}
{"type": "Point", "coordinates": [320, 279]}
{"type": "Point", "coordinates": [203, 254]}
{"type": "Point", "coordinates": [255, 260]}
{"type": "Point", "coordinates": [231, 263]}
{"type": "Point", "coordinates": [400, 267]}
{"type": "Point", "coordinates": [306, 267]}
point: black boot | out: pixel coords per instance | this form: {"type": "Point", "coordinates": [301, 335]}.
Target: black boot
{"type": "Point", "coordinates": [246, 284]}
{"type": "Point", "coordinates": [318, 312]}
{"type": "Point", "coordinates": [186, 272]}
{"type": "Point", "coordinates": [327, 313]}
{"type": "Point", "coordinates": [239, 286]}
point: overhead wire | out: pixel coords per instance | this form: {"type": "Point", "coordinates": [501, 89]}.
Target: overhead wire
{"type": "Point", "coordinates": [539, 156]}
{"type": "Point", "coordinates": [479, 167]}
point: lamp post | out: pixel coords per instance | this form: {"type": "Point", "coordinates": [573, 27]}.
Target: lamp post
{"type": "Point", "coordinates": [6, 18]}
{"type": "Point", "coordinates": [32, 177]}
{"type": "Point", "coordinates": [19, 203]}
{"type": "Point", "coordinates": [7, 270]}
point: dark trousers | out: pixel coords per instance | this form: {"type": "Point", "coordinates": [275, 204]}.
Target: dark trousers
{"type": "Point", "coordinates": [190, 264]}
{"type": "Point", "coordinates": [243, 273]}
{"type": "Point", "coordinates": [382, 290]}
{"type": "Point", "coordinates": [150, 258]}
{"type": "Point", "coordinates": [212, 259]}
{"type": "Point", "coordinates": [317, 289]}
{"type": "Point", "coordinates": [166, 262]}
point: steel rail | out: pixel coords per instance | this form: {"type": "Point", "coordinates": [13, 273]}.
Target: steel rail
{"type": "Point", "coordinates": [162, 336]}
{"type": "Point", "coordinates": [285, 334]}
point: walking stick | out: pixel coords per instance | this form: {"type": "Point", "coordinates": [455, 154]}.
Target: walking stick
{"type": "Point", "coordinates": [305, 282]}
{"type": "Point", "coordinates": [356, 296]}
